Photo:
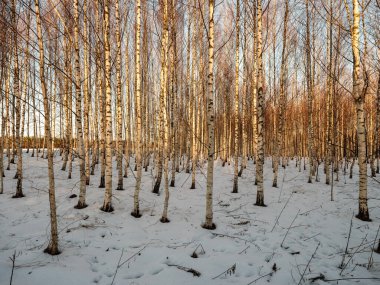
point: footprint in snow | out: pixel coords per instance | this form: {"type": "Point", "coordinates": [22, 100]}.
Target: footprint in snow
{"type": "Point", "coordinates": [133, 276]}
{"type": "Point", "coordinates": [97, 279]}
{"type": "Point", "coordinates": [155, 271]}
{"type": "Point", "coordinates": [94, 268]}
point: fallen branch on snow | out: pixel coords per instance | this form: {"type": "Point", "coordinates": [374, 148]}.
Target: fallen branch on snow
{"type": "Point", "coordinates": [234, 237]}
{"type": "Point", "coordinates": [187, 269]}
{"type": "Point", "coordinates": [307, 266]}
{"type": "Point", "coordinates": [230, 271]}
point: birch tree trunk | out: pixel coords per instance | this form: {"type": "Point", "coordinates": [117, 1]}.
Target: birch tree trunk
{"type": "Point", "coordinates": [236, 115]}
{"type": "Point", "coordinates": [17, 97]}
{"type": "Point", "coordinates": [209, 224]}
{"type": "Point", "coordinates": [329, 100]}
{"type": "Point", "coordinates": [78, 114]}
{"type": "Point", "coordinates": [53, 244]}
{"type": "Point", "coordinates": [310, 96]}
{"type": "Point", "coordinates": [101, 98]}
{"type": "Point", "coordinates": [244, 120]}
{"type": "Point", "coordinates": [173, 92]}
{"type": "Point", "coordinates": [136, 208]}
{"type": "Point", "coordinates": [163, 104]}
{"type": "Point", "coordinates": [107, 204]}
{"type": "Point", "coordinates": [2, 140]}
{"type": "Point", "coordinates": [86, 93]}
{"type": "Point", "coordinates": [359, 91]}
{"type": "Point", "coordinates": [281, 114]}
{"type": "Point", "coordinates": [119, 125]}
{"type": "Point", "coordinates": [127, 110]}
{"type": "Point", "coordinates": [377, 136]}
{"type": "Point", "coordinates": [260, 111]}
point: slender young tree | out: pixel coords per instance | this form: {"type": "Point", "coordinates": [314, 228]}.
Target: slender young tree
{"type": "Point", "coordinates": [86, 93]}
{"type": "Point", "coordinates": [236, 113]}
{"type": "Point", "coordinates": [101, 97]}
{"type": "Point", "coordinates": [53, 243]}
{"type": "Point", "coordinates": [260, 110]}
{"type": "Point", "coordinates": [107, 204]}
{"type": "Point", "coordinates": [359, 91]}
{"type": "Point", "coordinates": [281, 113]}
{"type": "Point", "coordinates": [17, 105]}
{"type": "Point", "coordinates": [136, 207]}
{"type": "Point", "coordinates": [119, 125]}
{"type": "Point", "coordinates": [78, 113]}
{"type": "Point", "coordinates": [209, 224]}
{"type": "Point", "coordinates": [163, 103]}
{"type": "Point", "coordinates": [310, 95]}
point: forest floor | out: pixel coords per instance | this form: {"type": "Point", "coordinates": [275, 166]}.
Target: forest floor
{"type": "Point", "coordinates": [248, 246]}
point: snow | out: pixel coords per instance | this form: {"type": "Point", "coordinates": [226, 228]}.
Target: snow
{"type": "Point", "coordinates": [92, 242]}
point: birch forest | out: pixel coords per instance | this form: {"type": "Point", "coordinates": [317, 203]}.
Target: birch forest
{"type": "Point", "coordinates": [190, 142]}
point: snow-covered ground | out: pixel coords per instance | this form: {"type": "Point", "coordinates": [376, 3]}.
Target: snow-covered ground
{"type": "Point", "coordinates": [247, 239]}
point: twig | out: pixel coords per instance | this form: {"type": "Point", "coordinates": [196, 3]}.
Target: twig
{"type": "Point", "coordinates": [223, 235]}
{"type": "Point", "coordinates": [13, 258]}
{"type": "Point", "coordinates": [244, 249]}
{"type": "Point", "coordinates": [319, 277]}
{"type": "Point", "coordinates": [344, 267]}
{"type": "Point", "coordinates": [307, 265]}
{"type": "Point", "coordinates": [311, 237]}
{"type": "Point", "coordinates": [281, 212]}
{"type": "Point", "coordinates": [187, 269]}
{"type": "Point", "coordinates": [186, 180]}
{"type": "Point", "coordinates": [352, 278]}
{"type": "Point", "coordinates": [310, 210]}
{"type": "Point", "coordinates": [370, 260]}
{"type": "Point", "coordinates": [289, 228]}
{"type": "Point", "coordinates": [118, 266]}
{"type": "Point", "coordinates": [274, 269]}
{"type": "Point", "coordinates": [230, 271]}
{"type": "Point", "coordinates": [137, 253]}
{"type": "Point", "coordinates": [348, 240]}
{"type": "Point", "coordinates": [194, 254]}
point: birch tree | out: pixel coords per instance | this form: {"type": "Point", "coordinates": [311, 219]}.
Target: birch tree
{"type": "Point", "coordinates": [359, 90]}
{"type": "Point", "coordinates": [136, 206]}
{"type": "Point", "coordinates": [236, 145]}
{"type": "Point", "coordinates": [260, 109]}
{"type": "Point", "coordinates": [53, 243]}
{"type": "Point", "coordinates": [107, 204]}
{"type": "Point", "coordinates": [209, 224]}
{"type": "Point", "coordinates": [78, 113]}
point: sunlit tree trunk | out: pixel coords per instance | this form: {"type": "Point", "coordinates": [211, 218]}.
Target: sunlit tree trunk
{"type": "Point", "coordinates": [53, 243]}
{"type": "Point", "coordinates": [260, 110]}
{"type": "Point", "coordinates": [209, 224]}
{"type": "Point", "coordinates": [86, 93]}
{"type": "Point", "coordinates": [163, 104]}
{"type": "Point", "coordinates": [17, 97]}
{"type": "Point", "coordinates": [244, 120]}
{"type": "Point", "coordinates": [281, 115]}
{"type": "Point", "coordinates": [377, 133]}
{"type": "Point", "coordinates": [127, 109]}
{"type": "Point", "coordinates": [173, 92]}
{"type": "Point", "coordinates": [101, 98]}
{"type": "Point", "coordinates": [193, 116]}
{"type": "Point", "coordinates": [136, 208]}
{"type": "Point", "coordinates": [254, 91]}
{"type": "Point", "coordinates": [359, 91]}
{"type": "Point", "coordinates": [78, 114]}
{"type": "Point", "coordinates": [310, 95]}
{"type": "Point", "coordinates": [236, 113]}
{"type": "Point", "coordinates": [329, 99]}
{"type": "Point", "coordinates": [107, 204]}
{"type": "Point", "coordinates": [119, 120]}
